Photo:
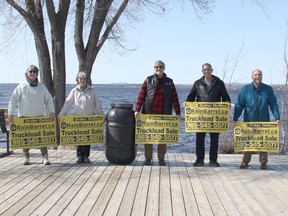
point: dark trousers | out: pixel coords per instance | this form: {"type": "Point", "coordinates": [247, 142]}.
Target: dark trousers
{"type": "Point", "coordinates": [83, 151]}
{"type": "Point", "coordinates": [200, 146]}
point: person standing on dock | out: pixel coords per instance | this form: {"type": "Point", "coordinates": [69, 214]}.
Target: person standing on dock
{"type": "Point", "coordinates": [157, 96]}
{"type": "Point", "coordinates": [31, 97]}
{"type": "Point", "coordinates": [255, 99]}
{"type": "Point", "coordinates": [208, 88]}
{"type": "Point", "coordinates": [84, 100]}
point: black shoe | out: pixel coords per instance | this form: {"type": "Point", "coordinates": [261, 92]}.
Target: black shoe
{"type": "Point", "coordinates": [147, 162]}
{"type": "Point", "coordinates": [162, 163]}
{"type": "Point", "coordinates": [198, 163]}
{"type": "Point", "coordinates": [263, 166]}
{"type": "Point", "coordinates": [214, 164]}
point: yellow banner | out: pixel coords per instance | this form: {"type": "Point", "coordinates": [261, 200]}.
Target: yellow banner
{"type": "Point", "coordinates": [32, 132]}
{"type": "Point", "coordinates": [82, 130]}
{"type": "Point", "coordinates": [256, 136]}
{"type": "Point", "coordinates": [207, 117]}
{"type": "Point", "coordinates": [157, 129]}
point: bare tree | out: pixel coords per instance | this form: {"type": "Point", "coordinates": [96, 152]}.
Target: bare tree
{"type": "Point", "coordinates": [32, 13]}
{"type": "Point", "coordinates": [58, 26]}
{"type": "Point", "coordinates": [284, 103]}
{"type": "Point", "coordinates": [229, 69]}
{"type": "Point", "coordinates": [98, 19]}
{"type": "Point", "coordinates": [230, 65]}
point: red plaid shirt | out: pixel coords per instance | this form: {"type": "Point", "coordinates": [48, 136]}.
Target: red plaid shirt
{"type": "Point", "coordinates": [158, 100]}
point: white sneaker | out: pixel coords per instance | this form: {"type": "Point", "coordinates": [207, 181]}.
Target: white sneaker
{"type": "Point", "coordinates": [26, 161]}
{"type": "Point", "coordinates": [45, 160]}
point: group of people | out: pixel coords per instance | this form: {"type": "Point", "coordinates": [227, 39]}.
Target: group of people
{"type": "Point", "coordinates": [157, 95]}
{"type": "Point", "coordinates": [31, 97]}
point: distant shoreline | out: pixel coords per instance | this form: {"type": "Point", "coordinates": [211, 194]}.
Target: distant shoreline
{"type": "Point", "coordinates": [235, 85]}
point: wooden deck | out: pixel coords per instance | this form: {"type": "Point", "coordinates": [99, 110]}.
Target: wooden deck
{"type": "Point", "coordinates": [102, 188]}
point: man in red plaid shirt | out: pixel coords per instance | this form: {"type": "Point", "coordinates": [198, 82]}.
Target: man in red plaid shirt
{"type": "Point", "coordinates": [157, 96]}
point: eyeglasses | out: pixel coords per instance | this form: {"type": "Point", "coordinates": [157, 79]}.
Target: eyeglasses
{"type": "Point", "coordinates": [32, 71]}
{"type": "Point", "coordinates": [158, 66]}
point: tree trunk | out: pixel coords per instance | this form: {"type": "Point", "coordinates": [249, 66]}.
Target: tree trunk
{"type": "Point", "coordinates": [59, 75]}
{"type": "Point", "coordinates": [44, 61]}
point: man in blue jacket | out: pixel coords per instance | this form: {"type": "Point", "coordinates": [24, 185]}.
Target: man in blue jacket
{"type": "Point", "coordinates": [256, 99]}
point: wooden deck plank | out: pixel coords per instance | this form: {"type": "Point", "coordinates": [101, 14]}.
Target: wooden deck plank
{"type": "Point", "coordinates": [214, 202]}
{"type": "Point", "coordinates": [152, 203]}
{"type": "Point", "coordinates": [188, 192]}
{"type": "Point", "coordinates": [77, 201]}
{"type": "Point", "coordinates": [259, 195]}
{"type": "Point", "coordinates": [106, 194]}
{"type": "Point", "coordinates": [38, 194]}
{"type": "Point", "coordinates": [102, 188]}
{"type": "Point", "coordinates": [244, 197]}
{"type": "Point", "coordinates": [139, 206]}
{"type": "Point", "coordinates": [99, 179]}
{"type": "Point", "coordinates": [20, 193]}
{"type": "Point", "coordinates": [129, 194]}
{"type": "Point", "coordinates": [117, 196]}
{"type": "Point", "coordinates": [229, 207]}
{"type": "Point", "coordinates": [71, 189]}
{"type": "Point", "coordinates": [14, 173]}
{"type": "Point", "coordinates": [273, 187]}
{"type": "Point", "coordinates": [67, 174]}
{"type": "Point", "coordinates": [230, 186]}
{"type": "Point", "coordinates": [199, 191]}
{"type": "Point", "coordinates": [178, 206]}
{"type": "Point", "coordinates": [11, 185]}
{"type": "Point", "coordinates": [165, 203]}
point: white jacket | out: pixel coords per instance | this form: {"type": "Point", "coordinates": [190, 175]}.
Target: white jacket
{"type": "Point", "coordinates": [84, 102]}
{"type": "Point", "coordinates": [31, 101]}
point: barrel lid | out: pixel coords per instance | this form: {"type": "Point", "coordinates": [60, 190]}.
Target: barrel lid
{"type": "Point", "coordinates": [121, 105]}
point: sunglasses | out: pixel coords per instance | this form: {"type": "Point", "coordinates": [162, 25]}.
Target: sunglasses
{"type": "Point", "coordinates": [158, 66]}
{"type": "Point", "coordinates": [32, 71]}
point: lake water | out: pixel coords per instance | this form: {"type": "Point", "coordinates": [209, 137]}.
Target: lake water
{"type": "Point", "coordinates": [127, 93]}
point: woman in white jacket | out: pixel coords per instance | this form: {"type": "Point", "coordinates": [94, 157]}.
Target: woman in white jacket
{"type": "Point", "coordinates": [84, 100]}
{"type": "Point", "coordinates": [31, 96]}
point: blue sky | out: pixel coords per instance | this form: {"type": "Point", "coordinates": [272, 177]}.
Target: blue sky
{"type": "Point", "coordinates": [184, 42]}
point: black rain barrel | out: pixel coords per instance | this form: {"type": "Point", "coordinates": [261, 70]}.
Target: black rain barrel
{"type": "Point", "coordinates": [120, 134]}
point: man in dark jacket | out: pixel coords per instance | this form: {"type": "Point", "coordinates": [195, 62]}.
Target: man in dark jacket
{"type": "Point", "coordinates": [208, 88]}
{"type": "Point", "coordinates": [255, 99]}
{"type": "Point", "coordinates": [157, 96]}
